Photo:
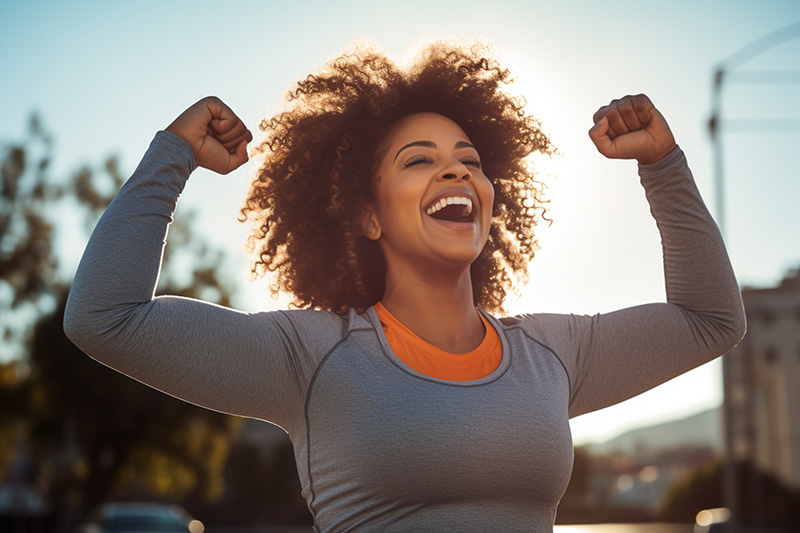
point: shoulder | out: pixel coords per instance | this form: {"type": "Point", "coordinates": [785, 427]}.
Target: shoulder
{"type": "Point", "coordinates": [318, 330]}
{"type": "Point", "coordinates": [549, 328]}
{"type": "Point", "coordinates": [566, 335]}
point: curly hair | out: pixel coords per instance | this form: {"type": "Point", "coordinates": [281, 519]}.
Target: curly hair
{"type": "Point", "coordinates": [320, 158]}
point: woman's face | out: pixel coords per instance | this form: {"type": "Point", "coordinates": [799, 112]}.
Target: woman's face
{"type": "Point", "coordinates": [434, 204]}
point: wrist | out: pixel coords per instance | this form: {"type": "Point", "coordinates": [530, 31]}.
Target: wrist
{"type": "Point", "coordinates": [177, 144]}
{"type": "Point", "coordinates": [658, 156]}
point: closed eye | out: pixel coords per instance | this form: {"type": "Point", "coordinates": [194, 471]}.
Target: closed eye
{"type": "Point", "coordinates": [417, 159]}
{"type": "Point", "coordinates": [474, 161]}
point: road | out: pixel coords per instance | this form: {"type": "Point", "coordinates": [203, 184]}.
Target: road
{"type": "Point", "coordinates": [589, 528]}
{"type": "Point", "coordinates": [625, 528]}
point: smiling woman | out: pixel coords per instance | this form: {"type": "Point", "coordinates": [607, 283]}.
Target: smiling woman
{"type": "Point", "coordinates": [396, 206]}
{"type": "Point", "coordinates": [321, 159]}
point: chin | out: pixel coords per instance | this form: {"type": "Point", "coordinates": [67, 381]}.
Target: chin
{"type": "Point", "coordinates": [462, 257]}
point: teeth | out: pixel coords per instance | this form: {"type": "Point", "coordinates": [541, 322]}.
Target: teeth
{"type": "Point", "coordinates": [450, 200]}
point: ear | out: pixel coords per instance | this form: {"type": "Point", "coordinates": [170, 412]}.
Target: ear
{"type": "Point", "coordinates": [370, 226]}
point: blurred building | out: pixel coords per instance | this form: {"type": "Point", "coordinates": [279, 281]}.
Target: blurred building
{"type": "Point", "coordinates": [762, 383]}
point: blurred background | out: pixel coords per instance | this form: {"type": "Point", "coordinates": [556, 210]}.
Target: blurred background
{"type": "Point", "coordinates": [85, 85]}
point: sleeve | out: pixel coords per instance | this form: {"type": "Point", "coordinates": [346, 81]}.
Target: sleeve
{"type": "Point", "coordinates": [248, 364]}
{"type": "Point", "coordinates": [612, 357]}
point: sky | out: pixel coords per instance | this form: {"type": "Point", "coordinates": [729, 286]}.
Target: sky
{"type": "Point", "coordinates": [105, 76]}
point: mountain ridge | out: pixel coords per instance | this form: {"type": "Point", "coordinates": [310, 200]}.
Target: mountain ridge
{"type": "Point", "coordinates": [703, 429]}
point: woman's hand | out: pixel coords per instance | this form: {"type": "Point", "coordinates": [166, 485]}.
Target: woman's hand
{"type": "Point", "coordinates": [217, 136]}
{"type": "Point", "coordinates": [632, 128]}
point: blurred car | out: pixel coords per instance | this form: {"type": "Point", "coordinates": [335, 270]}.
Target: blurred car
{"type": "Point", "coordinates": [141, 518]}
{"type": "Point", "coordinates": [22, 509]}
{"type": "Point", "coordinates": [712, 520]}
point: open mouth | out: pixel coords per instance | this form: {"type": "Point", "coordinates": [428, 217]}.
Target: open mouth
{"type": "Point", "coordinates": [452, 208]}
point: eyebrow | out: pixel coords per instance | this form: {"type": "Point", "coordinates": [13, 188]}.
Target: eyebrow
{"type": "Point", "coordinates": [430, 144]}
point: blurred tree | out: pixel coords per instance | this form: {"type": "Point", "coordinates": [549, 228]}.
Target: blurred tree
{"type": "Point", "coordinates": [27, 262]}
{"type": "Point", "coordinates": [11, 419]}
{"type": "Point", "coordinates": [95, 433]}
{"type": "Point", "coordinates": [264, 487]}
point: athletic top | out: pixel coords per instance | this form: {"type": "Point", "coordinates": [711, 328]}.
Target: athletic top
{"type": "Point", "coordinates": [380, 446]}
{"type": "Point", "coordinates": [427, 359]}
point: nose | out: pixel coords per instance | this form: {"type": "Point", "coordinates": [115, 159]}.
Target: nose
{"type": "Point", "coordinates": [455, 171]}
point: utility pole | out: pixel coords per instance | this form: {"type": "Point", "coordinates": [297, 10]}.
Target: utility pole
{"type": "Point", "coordinates": [726, 73]}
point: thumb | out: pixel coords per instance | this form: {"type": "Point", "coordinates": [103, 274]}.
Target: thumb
{"type": "Point", "coordinates": [240, 156]}
{"type": "Point", "coordinates": [599, 135]}
{"type": "Point", "coordinates": [231, 161]}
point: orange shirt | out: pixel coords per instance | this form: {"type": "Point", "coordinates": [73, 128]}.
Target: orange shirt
{"type": "Point", "coordinates": [437, 363]}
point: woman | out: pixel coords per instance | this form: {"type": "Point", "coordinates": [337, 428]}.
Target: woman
{"type": "Point", "coordinates": [390, 204]}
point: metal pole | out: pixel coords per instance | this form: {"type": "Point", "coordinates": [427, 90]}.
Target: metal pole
{"type": "Point", "coordinates": [715, 126]}
{"type": "Point", "coordinates": [730, 478]}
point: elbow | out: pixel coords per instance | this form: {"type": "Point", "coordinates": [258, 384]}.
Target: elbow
{"type": "Point", "coordinates": [78, 325]}
{"type": "Point", "coordinates": [99, 332]}
{"type": "Point", "coordinates": [741, 327]}
{"type": "Point", "coordinates": [721, 330]}
{"type": "Point", "coordinates": [735, 330]}
{"type": "Point", "coordinates": [74, 323]}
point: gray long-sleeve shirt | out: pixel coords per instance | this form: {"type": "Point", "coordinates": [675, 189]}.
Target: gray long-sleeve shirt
{"type": "Point", "coordinates": [379, 446]}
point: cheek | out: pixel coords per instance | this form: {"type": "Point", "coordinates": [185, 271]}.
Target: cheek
{"type": "Point", "coordinates": [397, 204]}
{"type": "Point", "coordinates": [486, 192]}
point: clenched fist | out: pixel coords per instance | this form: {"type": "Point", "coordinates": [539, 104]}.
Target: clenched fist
{"type": "Point", "coordinates": [632, 128]}
{"type": "Point", "coordinates": [217, 136]}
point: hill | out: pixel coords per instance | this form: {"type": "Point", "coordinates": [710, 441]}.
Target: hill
{"type": "Point", "coordinates": [703, 429]}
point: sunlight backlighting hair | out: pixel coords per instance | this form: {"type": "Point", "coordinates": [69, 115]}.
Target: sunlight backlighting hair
{"type": "Point", "coordinates": [320, 157]}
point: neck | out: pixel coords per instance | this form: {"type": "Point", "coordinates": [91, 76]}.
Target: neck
{"type": "Point", "coordinates": [437, 306]}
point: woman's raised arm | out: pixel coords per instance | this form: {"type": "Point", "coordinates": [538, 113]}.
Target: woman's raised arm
{"type": "Point", "coordinates": [614, 356]}
{"type": "Point", "coordinates": [216, 357]}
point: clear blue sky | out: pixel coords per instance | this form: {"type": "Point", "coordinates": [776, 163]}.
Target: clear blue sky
{"type": "Point", "coordinates": [106, 75]}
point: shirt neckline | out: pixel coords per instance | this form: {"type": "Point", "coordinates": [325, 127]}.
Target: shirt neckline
{"type": "Point", "coordinates": [479, 353]}
{"type": "Point", "coordinates": [501, 369]}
